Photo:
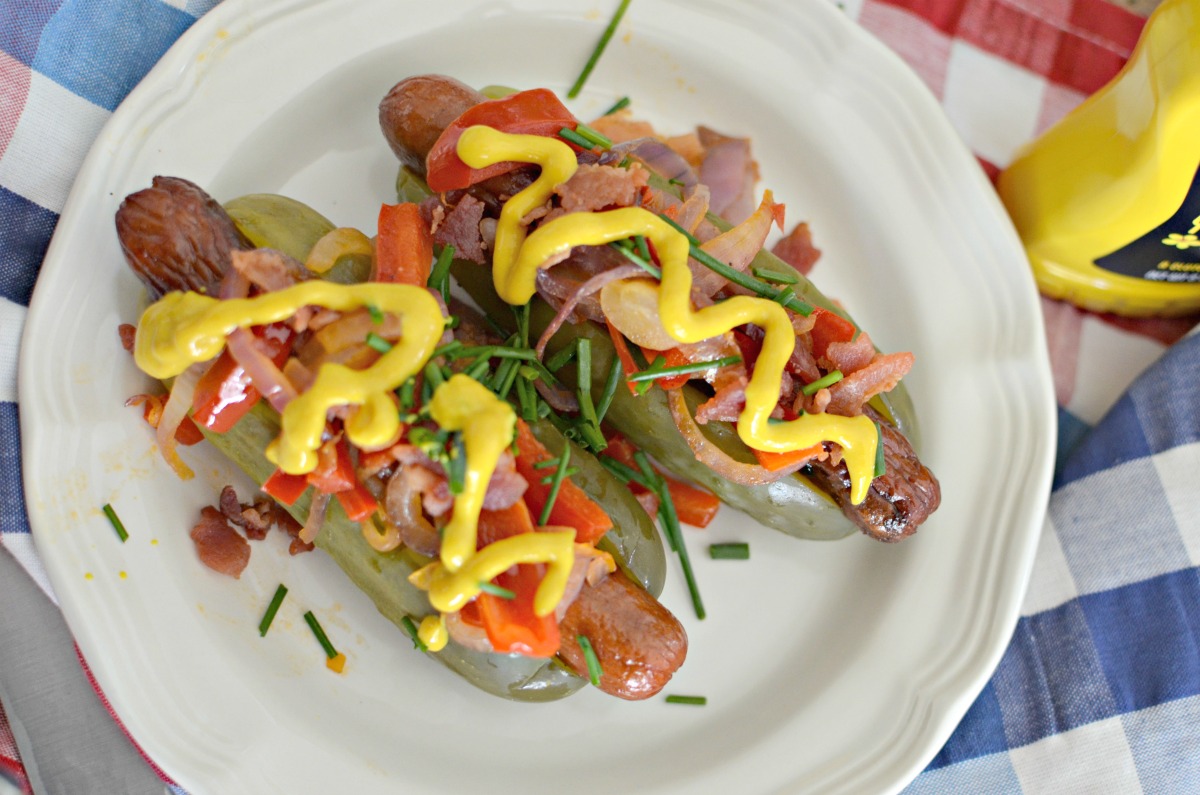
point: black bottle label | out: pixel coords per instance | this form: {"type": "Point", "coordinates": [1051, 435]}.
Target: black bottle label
{"type": "Point", "coordinates": [1168, 253]}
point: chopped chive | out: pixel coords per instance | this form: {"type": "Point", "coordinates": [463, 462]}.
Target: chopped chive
{"type": "Point", "coordinates": [880, 461]}
{"type": "Point", "coordinates": [654, 372]}
{"type": "Point", "coordinates": [567, 134]}
{"type": "Point", "coordinates": [775, 276]}
{"type": "Point", "coordinates": [548, 479]}
{"type": "Point", "coordinates": [433, 375]}
{"type": "Point", "coordinates": [642, 246]}
{"type": "Point", "coordinates": [737, 277]}
{"type": "Point", "coordinates": [730, 551]}
{"type": "Point", "coordinates": [583, 367]}
{"type": "Point", "coordinates": [410, 629]}
{"type": "Point", "coordinates": [560, 474]}
{"type": "Point", "coordinates": [830, 378]}
{"type": "Point", "coordinates": [272, 609]}
{"type": "Point", "coordinates": [595, 136]}
{"type": "Point", "coordinates": [549, 463]}
{"type": "Point", "coordinates": [491, 352]}
{"type": "Point", "coordinates": [624, 472]}
{"type": "Point", "coordinates": [543, 408]}
{"type": "Point", "coordinates": [559, 360]}
{"type": "Point", "coordinates": [643, 386]}
{"type": "Point", "coordinates": [376, 314]}
{"type": "Point", "coordinates": [636, 259]}
{"type": "Point", "coordinates": [449, 349]}
{"type": "Point", "coordinates": [589, 656]}
{"type": "Point", "coordinates": [596, 53]}
{"type": "Point", "coordinates": [408, 394]}
{"type": "Point", "coordinates": [784, 295]}
{"type": "Point", "coordinates": [615, 371]}
{"type": "Point", "coordinates": [527, 400]}
{"type": "Point", "coordinates": [670, 521]}
{"type": "Point", "coordinates": [696, 701]}
{"type": "Point", "coordinates": [456, 472]}
{"type": "Point", "coordinates": [620, 104]}
{"type": "Point", "coordinates": [496, 590]}
{"type": "Point", "coordinates": [452, 322]}
{"type": "Point", "coordinates": [439, 277]}
{"type": "Point", "coordinates": [315, 626]}
{"type": "Point", "coordinates": [522, 315]}
{"type": "Point", "coordinates": [507, 366]}
{"type": "Point", "coordinates": [116, 522]}
{"type": "Point", "coordinates": [529, 373]}
{"type": "Point", "coordinates": [377, 342]}
{"type": "Point", "coordinates": [479, 370]}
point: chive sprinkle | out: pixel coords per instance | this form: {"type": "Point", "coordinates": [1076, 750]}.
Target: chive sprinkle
{"type": "Point", "coordinates": [729, 551]}
{"type": "Point", "coordinates": [595, 136]}
{"type": "Point", "coordinates": [669, 518]}
{"type": "Point", "coordinates": [116, 522]}
{"type": "Point", "coordinates": [829, 379]}
{"type": "Point", "coordinates": [433, 375]}
{"type": "Point", "coordinates": [549, 463]}
{"type": "Point", "coordinates": [439, 277]}
{"type": "Point", "coordinates": [456, 472]}
{"type": "Point", "coordinates": [625, 473]}
{"type": "Point", "coordinates": [322, 638]}
{"type": "Point", "coordinates": [653, 373]}
{"type": "Point", "coordinates": [620, 104]}
{"type": "Point", "coordinates": [589, 656]}
{"type": "Point", "coordinates": [496, 590]}
{"type": "Point", "coordinates": [596, 53]}
{"type": "Point", "coordinates": [559, 360]}
{"type": "Point", "coordinates": [567, 134]}
{"type": "Point", "coordinates": [377, 342]}
{"type": "Point", "coordinates": [642, 262]}
{"type": "Point", "coordinates": [376, 314]}
{"type": "Point", "coordinates": [775, 276]}
{"type": "Point", "coordinates": [696, 701]}
{"type": "Point", "coordinates": [880, 461]}
{"type": "Point", "coordinates": [784, 295]}
{"type": "Point", "coordinates": [548, 479]}
{"type": "Point", "coordinates": [410, 629]}
{"type": "Point", "coordinates": [737, 277]}
{"type": "Point", "coordinates": [560, 474]}
{"type": "Point", "coordinates": [272, 609]}
{"type": "Point", "coordinates": [615, 371]}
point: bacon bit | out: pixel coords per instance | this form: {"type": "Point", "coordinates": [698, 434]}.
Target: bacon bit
{"type": "Point", "coordinates": [850, 394]}
{"type": "Point", "coordinates": [621, 126]}
{"type": "Point", "coordinates": [258, 517]}
{"type": "Point", "coordinates": [460, 228]}
{"type": "Point", "coordinates": [849, 357]}
{"type": "Point", "coordinates": [797, 249]}
{"type": "Point", "coordinates": [593, 188]}
{"type": "Point", "coordinates": [219, 545]}
{"type": "Point", "coordinates": [128, 334]}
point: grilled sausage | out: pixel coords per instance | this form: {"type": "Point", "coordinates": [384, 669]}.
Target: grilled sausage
{"type": "Point", "coordinates": [637, 641]}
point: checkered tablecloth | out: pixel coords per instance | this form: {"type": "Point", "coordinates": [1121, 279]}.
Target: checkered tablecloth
{"type": "Point", "coordinates": [1100, 688]}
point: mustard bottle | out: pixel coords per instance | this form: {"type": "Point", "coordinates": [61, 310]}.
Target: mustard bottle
{"type": "Point", "coordinates": [1107, 201]}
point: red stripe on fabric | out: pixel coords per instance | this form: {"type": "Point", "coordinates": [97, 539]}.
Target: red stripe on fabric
{"type": "Point", "coordinates": [11, 766]}
{"type": "Point", "coordinates": [1081, 45]}
{"type": "Point", "coordinates": [942, 14]}
{"type": "Point", "coordinates": [108, 707]}
{"type": "Point", "coordinates": [14, 91]}
{"type": "Point", "coordinates": [1106, 21]}
{"type": "Point", "coordinates": [922, 45]}
{"type": "Point", "coordinates": [1064, 329]}
{"type": "Point", "coordinates": [991, 169]}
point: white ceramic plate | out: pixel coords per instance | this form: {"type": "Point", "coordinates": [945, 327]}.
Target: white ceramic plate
{"type": "Point", "coordinates": [828, 668]}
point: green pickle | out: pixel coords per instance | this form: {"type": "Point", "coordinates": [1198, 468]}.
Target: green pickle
{"type": "Point", "coordinates": [285, 224]}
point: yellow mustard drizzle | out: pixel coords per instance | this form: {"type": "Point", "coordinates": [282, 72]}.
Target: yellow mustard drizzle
{"type": "Point", "coordinates": [184, 328]}
{"type": "Point", "coordinates": [517, 257]}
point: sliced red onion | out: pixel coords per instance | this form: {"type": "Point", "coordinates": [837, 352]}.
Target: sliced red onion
{"type": "Point", "coordinates": [661, 159]}
{"type": "Point", "coordinates": [589, 287]}
{"type": "Point", "coordinates": [268, 379]}
{"type": "Point", "coordinates": [176, 408]}
{"type": "Point", "coordinates": [402, 506]}
{"type": "Point", "coordinates": [316, 517]}
{"type": "Point", "coordinates": [714, 457]}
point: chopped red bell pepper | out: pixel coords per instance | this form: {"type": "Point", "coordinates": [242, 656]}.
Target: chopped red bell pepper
{"type": "Point", "coordinates": [334, 472]}
{"type": "Point", "coordinates": [534, 112]}
{"type": "Point", "coordinates": [622, 348]}
{"type": "Point", "coordinates": [511, 624]}
{"type": "Point", "coordinates": [403, 246]}
{"type": "Point", "coordinates": [573, 507]}
{"type": "Point", "coordinates": [778, 461]}
{"type": "Point", "coordinates": [830, 327]}
{"type": "Point", "coordinates": [693, 505]}
{"type": "Point", "coordinates": [224, 393]}
{"type": "Point", "coordinates": [284, 487]}
{"type": "Point", "coordinates": [673, 358]}
{"type": "Point", "coordinates": [357, 502]}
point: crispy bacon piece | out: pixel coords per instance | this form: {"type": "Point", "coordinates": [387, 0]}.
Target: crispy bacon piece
{"type": "Point", "coordinates": [797, 249]}
{"type": "Point", "coordinates": [219, 545]}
